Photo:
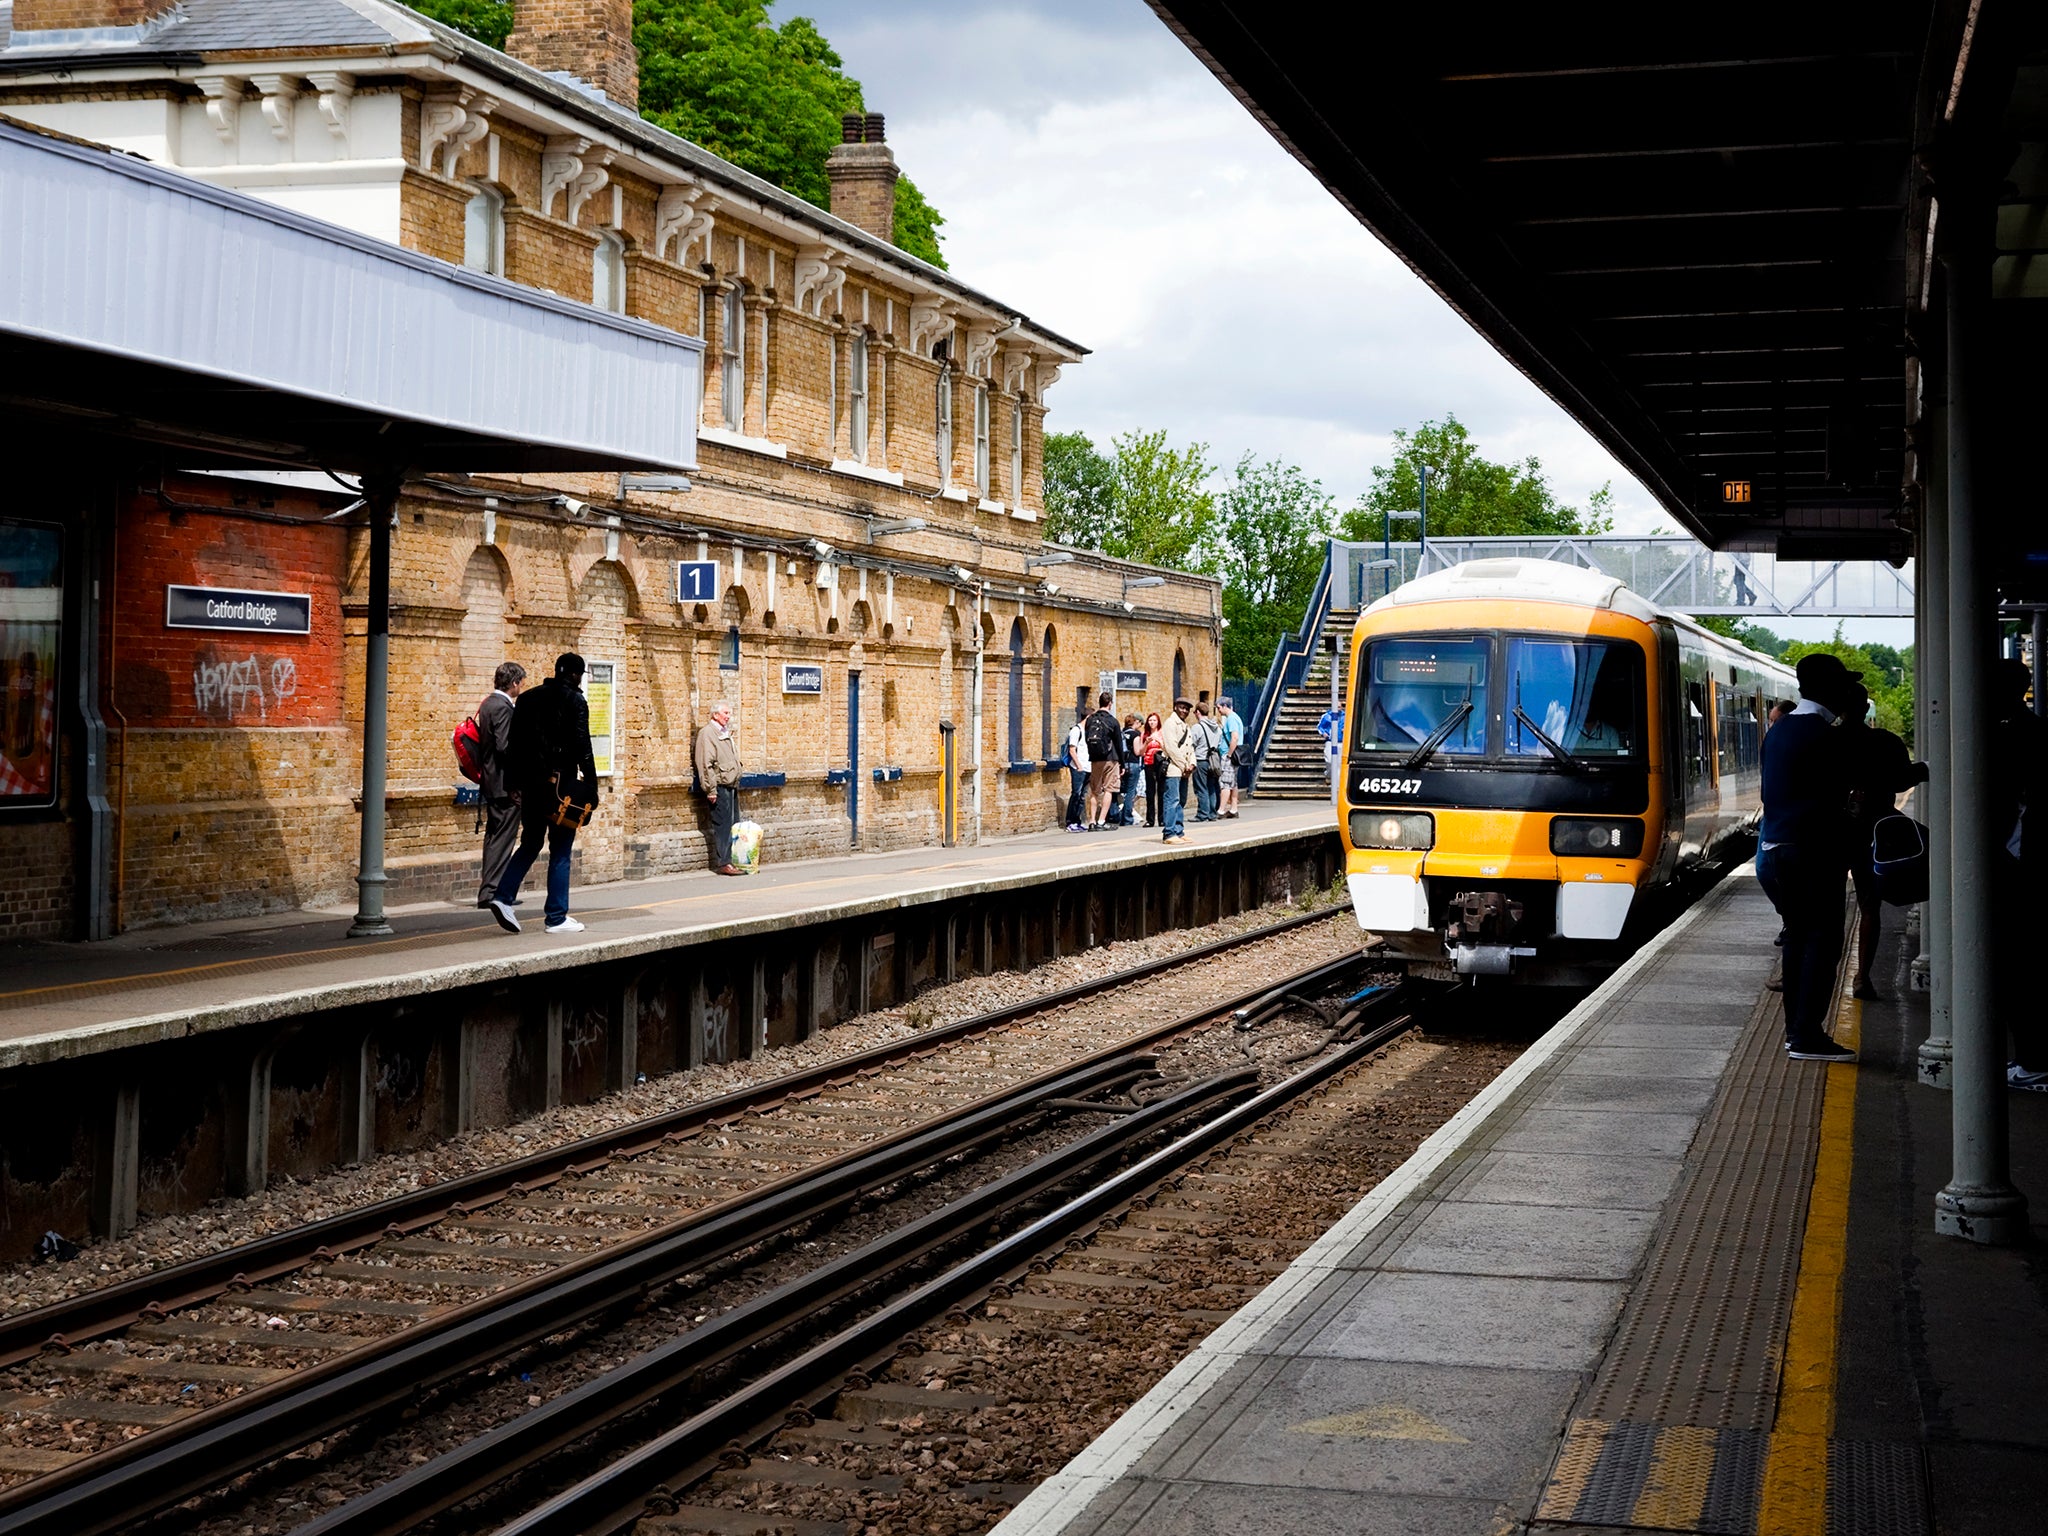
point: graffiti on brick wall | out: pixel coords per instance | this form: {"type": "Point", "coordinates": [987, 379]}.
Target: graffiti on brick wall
{"type": "Point", "coordinates": [243, 689]}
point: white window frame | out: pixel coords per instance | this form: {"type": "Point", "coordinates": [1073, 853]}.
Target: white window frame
{"type": "Point", "coordinates": [608, 273]}
{"type": "Point", "coordinates": [981, 437]}
{"type": "Point", "coordinates": [945, 428]}
{"type": "Point", "coordinates": [857, 398]}
{"type": "Point", "coordinates": [732, 346]}
{"type": "Point", "coordinates": [483, 248]}
{"type": "Point", "coordinates": [1017, 453]}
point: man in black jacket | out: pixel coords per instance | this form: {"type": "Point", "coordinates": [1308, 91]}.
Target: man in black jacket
{"type": "Point", "coordinates": [550, 763]}
{"type": "Point", "coordinates": [494, 786]}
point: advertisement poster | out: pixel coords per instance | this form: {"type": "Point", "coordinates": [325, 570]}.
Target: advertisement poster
{"type": "Point", "coordinates": [601, 688]}
{"type": "Point", "coordinates": [31, 617]}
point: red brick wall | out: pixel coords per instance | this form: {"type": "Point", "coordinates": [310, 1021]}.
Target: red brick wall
{"type": "Point", "coordinates": [190, 677]}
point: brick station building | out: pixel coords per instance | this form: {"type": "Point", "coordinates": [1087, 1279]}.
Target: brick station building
{"type": "Point", "coordinates": [855, 562]}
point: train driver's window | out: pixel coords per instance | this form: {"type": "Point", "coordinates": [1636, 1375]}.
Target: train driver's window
{"type": "Point", "coordinates": [1584, 695]}
{"type": "Point", "coordinates": [1413, 688]}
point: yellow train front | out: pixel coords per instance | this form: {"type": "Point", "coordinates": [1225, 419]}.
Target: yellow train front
{"type": "Point", "coordinates": [1532, 754]}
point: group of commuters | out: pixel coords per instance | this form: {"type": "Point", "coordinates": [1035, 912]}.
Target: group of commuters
{"type": "Point", "coordinates": [1192, 750]}
{"type": "Point", "coordinates": [1829, 777]}
{"type": "Point", "coordinates": [537, 781]}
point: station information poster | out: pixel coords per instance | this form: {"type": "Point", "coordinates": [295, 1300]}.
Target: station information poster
{"type": "Point", "coordinates": [31, 619]}
{"type": "Point", "coordinates": [601, 688]}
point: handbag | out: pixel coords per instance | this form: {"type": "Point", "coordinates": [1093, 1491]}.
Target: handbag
{"type": "Point", "coordinates": [1898, 857]}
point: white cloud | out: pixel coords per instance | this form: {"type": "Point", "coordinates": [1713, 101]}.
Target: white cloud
{"type": "Point", "coordinates": [1095, 175]}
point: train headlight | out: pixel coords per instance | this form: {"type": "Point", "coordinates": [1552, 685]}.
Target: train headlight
{"type": "Point", "coordinates": [1597, 837]}
{"type": "Point", "coordinates": [1386, 829]}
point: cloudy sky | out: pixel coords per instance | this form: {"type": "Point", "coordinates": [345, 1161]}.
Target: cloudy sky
{"type": "Point", "coordinates": [1096, 176]}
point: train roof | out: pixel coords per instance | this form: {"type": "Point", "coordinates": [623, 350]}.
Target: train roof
{"type": "Point", "coordinates": [1523, 580]}
{"type": "Point", "coordinates": [1517, 579]}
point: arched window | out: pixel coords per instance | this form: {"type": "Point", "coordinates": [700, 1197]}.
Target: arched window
{"type": "Point", "coordinates": [1017, 692]}
{"type": "Point", "coordinates": [1045, 691]}
{"type": "Point", "coordinates": [1180, 675]}
{"type": "Point", "coordinates": [732, 378]}
{"type": "Point", "coordinates": [608, 274]}
{"type": "Point", "coordinates": [857, 398]}
{"type": "Point", "coordinates": [945, 428]}
{"type": "Point", "coordinates": [483, 232]}
{"type": "Point", "coordinates": [981, 439]}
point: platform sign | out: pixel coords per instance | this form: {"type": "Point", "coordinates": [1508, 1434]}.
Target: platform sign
{"type": "Point", "coordinates": [263, 613]}
{"type": "Point", "coordinates": [1735, 491]}
{"type": "Point", "coordinates": [1130, 682]}
{"type": "Point", "coordinates": [697, 581]}
{"type": "Point", "coordinates": [803, 678]}
{"type": "Point", "coordinates": [601, 689]}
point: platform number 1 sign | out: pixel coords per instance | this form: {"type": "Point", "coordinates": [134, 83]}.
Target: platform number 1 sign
{"type": "Point", "coordinates": [696, 581]}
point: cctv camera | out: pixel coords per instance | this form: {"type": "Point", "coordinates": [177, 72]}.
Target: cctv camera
{"type": "Point", "coordinates": [1129, 606]}
{"type": "Point", "coordinates": [963, 573]}
{"type": "Point", "coordinates": [1049, 588]}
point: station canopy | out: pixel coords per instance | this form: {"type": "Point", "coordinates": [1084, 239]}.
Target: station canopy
{"type": "Point", "coordinates": [138, 305]}
{"type": "Point", "coordinates": [1694, 227]}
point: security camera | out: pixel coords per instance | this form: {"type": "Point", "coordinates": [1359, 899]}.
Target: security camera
{"type": "Point", "coordinates": [963, 573]}
{"type": "Point", "coordinates": [824, 550]}
{"type": "Point", "coordinates": [1129, 606]}
{"type": "Point", "coordinates": [574, 507]}
{"type": "Point", "coordinates": [1049, 589]}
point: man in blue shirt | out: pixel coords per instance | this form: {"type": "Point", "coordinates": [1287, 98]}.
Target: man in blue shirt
{"type": "Point", "coordinates": [1803, 848]}
{"type": "Point", "coordinates": [1331, 729]}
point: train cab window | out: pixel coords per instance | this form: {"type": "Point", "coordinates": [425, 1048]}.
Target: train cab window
{"type": "Point", "coordinates": [1584, 695]}
{"type": "Point", "coordinates": [1413, 688]}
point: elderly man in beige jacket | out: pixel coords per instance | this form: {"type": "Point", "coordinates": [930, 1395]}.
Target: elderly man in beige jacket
{"type": "Point", "coordinates": [718, 776]}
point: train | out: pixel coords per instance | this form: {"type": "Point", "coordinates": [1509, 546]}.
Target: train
{"type": "Point", "coordinates": [1535, 760]}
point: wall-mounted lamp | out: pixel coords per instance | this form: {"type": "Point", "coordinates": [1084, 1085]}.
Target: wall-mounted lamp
{"type": "Point", "coordinates": [1133, 583]}
{"type": "Point", "coordinates": [1056, 557]}
{"type": "Point", "coordinates": [653, 483]}
{"type": "Point", "coordinates": [887, 526]}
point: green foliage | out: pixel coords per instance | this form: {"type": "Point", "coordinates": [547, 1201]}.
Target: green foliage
{"type": "Point", "coordinates": [720, 73]}
{"type": "Point", "coordinates": [1468, 493]}
{"type": "Point", "coordinates": [1268, 541]}
{"type": "Point", "coordinates": [1887, 673]}
{"type": "Point", "coordinates": [917, 224]}
{"type": "Point", "coordinates": [1742, 632]}
{"type": "Point", "coordinates": [1145, 502]}
{"type": "Point", "coordinates": [488, 21]}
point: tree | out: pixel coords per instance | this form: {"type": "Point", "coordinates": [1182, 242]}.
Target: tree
{"type": "Point", "coordinates": [1079, 485]}
{"type": "Point", "coordinates": [1145, 502]}
{"type": "Point", "coordinates": [1268, 541]}
{"type": "Point", "coordinates": [1468, 494]}
{"type": "Point", "coordinates": [720, 73]}
{"type": "Point", "coordinates": [1742, 632]}
{"type": "Point", "coordinates": [1887, 673]}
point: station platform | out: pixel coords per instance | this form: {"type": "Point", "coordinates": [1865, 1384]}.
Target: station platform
{"type": "Point", "coordinates": [59, 1001]}
{"type": "Point", "coordinates": [1657, 1277]}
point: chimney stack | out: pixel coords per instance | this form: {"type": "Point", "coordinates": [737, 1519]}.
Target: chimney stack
{"type": "Point", "coordinates": [862, 170]}
{"type": "Point", "coordinates": [83, 15]}
{"type": "Point", "coordinates": [590, 41]}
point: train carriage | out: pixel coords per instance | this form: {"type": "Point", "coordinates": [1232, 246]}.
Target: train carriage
{"type": "Point", "coordinates": [1532, 752]}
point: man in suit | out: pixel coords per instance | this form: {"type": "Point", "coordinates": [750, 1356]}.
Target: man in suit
{"type": "Point", "coordinates": [551, 762]}
{"type": "Point", "coordinates": [494, 787]}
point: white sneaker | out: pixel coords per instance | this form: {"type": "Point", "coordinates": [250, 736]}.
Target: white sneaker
{"type": "Point", "coordinates": [566, 925]}
{"type": "Point", "coordinates": [2017, 1076]}
{"type": "Point", "coordinates": [502, 911]}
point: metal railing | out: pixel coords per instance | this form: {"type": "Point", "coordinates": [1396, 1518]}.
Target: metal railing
{"type": "Point", "coordinates": [1291, 659]}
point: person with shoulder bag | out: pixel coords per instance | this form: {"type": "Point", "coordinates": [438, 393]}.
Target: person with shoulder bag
{"type": "Point", "coordinates": [497, 797]}
{"type": "Point", "coordinates": [1153, 761]}
{"type": "Point", "coordinates": [556, 777]}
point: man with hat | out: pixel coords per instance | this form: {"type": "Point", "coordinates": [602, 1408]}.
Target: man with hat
{"type": "Point", "coordinates": [1176, 745]}
{"type": "Point", "coordinates": [1803, 848]}
{"type": "Point", "coordinates": [551, 763]}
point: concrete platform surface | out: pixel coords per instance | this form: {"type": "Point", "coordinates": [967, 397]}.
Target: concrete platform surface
{"type": "Point", "coordinates": [63, 1000]}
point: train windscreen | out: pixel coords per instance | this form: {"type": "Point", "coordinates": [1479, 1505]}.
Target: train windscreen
{"type": "Point", "coordinates": [1582, 695]}
{"type": "Point", "coordinates": [1416, 688]}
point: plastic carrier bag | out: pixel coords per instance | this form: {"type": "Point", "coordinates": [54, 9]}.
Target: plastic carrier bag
{"type": "Point", "coordinates": [1898, 857]}
{"type": "Point", "coordinates": [746, 845]}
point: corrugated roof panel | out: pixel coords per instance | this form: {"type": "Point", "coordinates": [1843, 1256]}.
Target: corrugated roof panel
{"type": "Point", "coordinates": [118, 257]}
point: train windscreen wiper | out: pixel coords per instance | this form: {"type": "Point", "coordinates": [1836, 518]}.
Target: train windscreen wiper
{"type": "Point", "coordinates": [1438, 737]}
{"type": "Point", "coordinates": [1552, 747]}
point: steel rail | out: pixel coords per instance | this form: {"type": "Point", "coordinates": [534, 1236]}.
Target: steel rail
{"type": "Point", "coordinates": [23, 1335]}
{"type": "Point", "coordinates": [502, 1453]}
{"type": "Point", "coordinates": [114, 1487]}
{"type": "Point", "coordinates": [614, 1498]}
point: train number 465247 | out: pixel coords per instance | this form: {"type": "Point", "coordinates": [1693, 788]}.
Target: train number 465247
{"type": "Point", "coordinates": [1388, 786]}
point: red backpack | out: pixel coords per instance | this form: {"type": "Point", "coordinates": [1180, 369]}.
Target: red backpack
{"type": "Point", "coordinates": [468, 742]}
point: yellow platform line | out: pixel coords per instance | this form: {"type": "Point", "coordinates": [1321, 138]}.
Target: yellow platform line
{"type": "Point", "coordinates": [1681, 1469]}
{"type": "Point", "coordinates": [1795, 1486]}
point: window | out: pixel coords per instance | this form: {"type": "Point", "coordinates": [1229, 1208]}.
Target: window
{"type": "Point", "coordinates": [732, 378]}
{"type": "Point", "coordinates": [1017, 454]}
{"type": "Point", "coordinates": [608, 274]}
{"type": "Point", "coordinates": [857, 398]}
{"type": "Point", "coordinates": [1582, 694]}
{"type": "Point", "coordinates": [483, 232]}
{"type": "Point", "coordinates": [1414, 688]}
{"type": "Point", "coordinates": [1017, 692]}
{"type": "Point", "coordinates": [729, 653]}
{"type": "Point", "coordinates": [1045, 690]}
{"type": "Point", "coordinates": [945, 428]}
{"type": "Point", "coordinates": [981, 439]}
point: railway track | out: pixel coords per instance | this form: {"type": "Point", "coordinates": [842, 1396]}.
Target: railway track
{"type": "Point", "coordinates": [292, 1338]}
